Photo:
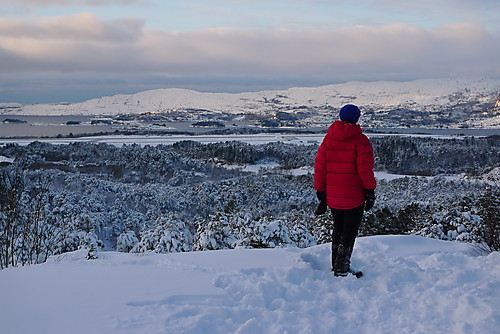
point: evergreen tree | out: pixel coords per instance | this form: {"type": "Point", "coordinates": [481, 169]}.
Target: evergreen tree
{"type": "Point", "coordinates": [126, 241]}
{"type": "Point", "coordinates": [489, 208]}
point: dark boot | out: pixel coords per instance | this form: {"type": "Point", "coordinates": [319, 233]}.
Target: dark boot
{"type": "Point", "coordinates": [334, 255]}
{"type": "Point", "coordinates": [343, 260]}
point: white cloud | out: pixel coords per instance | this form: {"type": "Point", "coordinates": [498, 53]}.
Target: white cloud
{"type": "Point", "coordinates": [354, 49]}
{"type": "Point", "coordinates": [42, 3]}
{"type": "Point", "coordinates": [79, 28]}
{"type": "Point", "coordinates": [69, 47]}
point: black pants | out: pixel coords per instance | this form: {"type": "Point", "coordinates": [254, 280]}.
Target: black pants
{"type": "Point", "coordinates": [345, 229]}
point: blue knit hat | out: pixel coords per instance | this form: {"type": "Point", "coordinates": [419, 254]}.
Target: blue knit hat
{"type": "Point", "coordinates": [350, 113]}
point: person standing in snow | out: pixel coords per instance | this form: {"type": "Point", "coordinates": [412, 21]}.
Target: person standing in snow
{"type": "Point", "coordinates": [344, 182]}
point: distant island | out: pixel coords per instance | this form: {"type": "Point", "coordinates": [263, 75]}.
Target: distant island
{"type": "Point", "coordinates": [208, 124]}
{"type": "Point", "coordinates": [14, 121]}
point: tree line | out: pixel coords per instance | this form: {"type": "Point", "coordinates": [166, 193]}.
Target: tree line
{"type": "Point", "coordinates": [188, 196]}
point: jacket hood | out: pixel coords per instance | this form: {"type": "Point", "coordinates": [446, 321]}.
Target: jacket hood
{"type": "Point", "coordinates": [340, 130]}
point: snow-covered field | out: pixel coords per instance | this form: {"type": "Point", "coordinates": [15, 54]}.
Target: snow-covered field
{"type": "Point", "coordinates": [411, 285]}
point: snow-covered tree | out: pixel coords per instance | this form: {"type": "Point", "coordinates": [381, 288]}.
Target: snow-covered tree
{"type": "Point", "coordinates": [168, 234]}
{"type": "Point", "coordinates": [126, 241]}
{"type": "Point", "coordinates": [489, 209]}
{"type": "Point", "coordinates": [215, 233]}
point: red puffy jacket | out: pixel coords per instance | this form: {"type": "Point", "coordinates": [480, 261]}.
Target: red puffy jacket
{"type": "Point", "coordinates": [344, 166]}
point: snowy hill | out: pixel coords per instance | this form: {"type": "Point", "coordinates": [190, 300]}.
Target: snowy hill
{"type": "Point", "coordinates": [411, 285]}
{"type": "Point", "coordinates": [390, 101]}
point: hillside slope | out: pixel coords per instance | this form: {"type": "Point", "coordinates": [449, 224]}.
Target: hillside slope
{"type": "Point", "coordinates": [420, 93]}
{"type": "Point", "coordinates": [411, 285]}
{"type": "Point", "coordinates": [420, 103]}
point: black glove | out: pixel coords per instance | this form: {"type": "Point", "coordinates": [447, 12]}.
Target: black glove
{"type": "Point", "coordinates": [321, 209]}
{"type": "Point", "coordinates": [321, 195]}
{"type": "Point", "coordinates": [370, 198]}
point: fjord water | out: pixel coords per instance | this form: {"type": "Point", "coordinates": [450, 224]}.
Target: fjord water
{"type": "Point", "coordinates": [53, 126]}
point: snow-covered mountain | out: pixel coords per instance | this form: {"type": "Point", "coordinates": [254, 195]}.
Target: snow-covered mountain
{"type": "Point", "coordinates": [411, 285]}
{"type": "Point", "coordinates": [462, 102]}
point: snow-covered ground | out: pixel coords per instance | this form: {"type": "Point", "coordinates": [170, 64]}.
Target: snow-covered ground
{"type": "Point", "coordinates": [411, 285]}
{"type": "Point", "coordinates": [310, 170]}
{"type": "Point", "coordinates": [5, 159]}
{"type": "Point", "coordinates": [254, 139]}
{"type": "Point", "coordinates": [389, 177]}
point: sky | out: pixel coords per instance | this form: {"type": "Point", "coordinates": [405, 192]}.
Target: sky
{"type": "Point", "coordinates": [75, 50]}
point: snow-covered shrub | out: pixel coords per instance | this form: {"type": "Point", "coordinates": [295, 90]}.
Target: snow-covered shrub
{"type": "Point", "coordinates": [268, 232]}
{"type": "Point", "coordinates": [274, 233]}
{"type": "Point", "coordinates": [379, 221]}
{"type": "Point", "coordinates": [228, 230]}
{"type": "Point", "coordinates": [70, 241]}
{"type": "Point", "coordinates": [215, 233]}
{"type": "Point", "coordinates": [432, 231]}
{"type": "Point", "coordinates": [242, 227]}
{"type": "Point", "coordinates": [148, 242]}
{"type": "Point", "coordinates": [298, 223]}
{"type": "Point", "coordinates": [176, 237]}
{"type": "Point", "coordinates": [489, 227]}
{"type": "Point", "coordinates": [169, 234]}
{"type": "Point", "coordinates": [126, 241]}
{"type": "Point", "coordinates": [90, 242]}
{"type": "Point", "coordinates": [322, 228]}
{"type": "Point", "coordinates": [456, 223]}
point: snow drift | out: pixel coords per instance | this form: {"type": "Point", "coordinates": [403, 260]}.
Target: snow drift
{"type": "Point", "coordinates": [411, 285]}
